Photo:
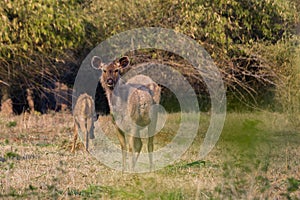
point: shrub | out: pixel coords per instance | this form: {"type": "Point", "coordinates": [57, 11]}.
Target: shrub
{"type": "Point", "coordinates": [246, 38]}
{"type": "Point", "coordinates": [288, 92]}
{"type": "Point", "coordinates": [36, 37]}
{"type": "Point", "coordinates": [237, 33]}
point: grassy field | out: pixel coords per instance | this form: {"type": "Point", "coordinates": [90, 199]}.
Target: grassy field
{"type": "Point", "coordinates": [256, 157]}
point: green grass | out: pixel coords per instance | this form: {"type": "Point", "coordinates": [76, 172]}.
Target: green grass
{"type": "Point", "coordinates": [11, 155]}
{"type": "Point", "coordinates": [11, 124]}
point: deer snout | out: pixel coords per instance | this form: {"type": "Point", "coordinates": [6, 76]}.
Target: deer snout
{"type": "Point", "coordinates": [110, 82]}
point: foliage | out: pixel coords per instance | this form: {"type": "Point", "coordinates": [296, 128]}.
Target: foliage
{"type": "Point", "coordinates": [34, 37]}
{"type": "Point", "coordinates": [251, 41]}
{"type": "Point", "coordinates": [288, 91]}
{"type": "Point", "coordinates": [237, 33]}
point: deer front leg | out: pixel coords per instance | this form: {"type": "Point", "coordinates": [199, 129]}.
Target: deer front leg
{"type": "Point", "coordinates": [121, 137]}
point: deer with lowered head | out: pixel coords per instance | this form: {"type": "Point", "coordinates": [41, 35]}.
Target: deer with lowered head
{"type": "Point", "coordinates": [132, 101]}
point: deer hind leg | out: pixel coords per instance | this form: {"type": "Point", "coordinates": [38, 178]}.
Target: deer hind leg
{"type": "Point", "coordinates": [150, 152]}
{"type": "Point", "coordinates": [88, 130]}
{"type": "Point", "coordinates": [86, 137]}
{"type": "Point", "coordinates": [75, 136]}
{"type": "Point", "coordinates": [131, 153]}
{"type": "Point", "coordinates": [135, 147]}
{"type": "Point", "coordinates": [91, 130]}
{"type": "Point", "coordinates": [151, 133]}
{"type": "Point", "coordinates": [82, 127]}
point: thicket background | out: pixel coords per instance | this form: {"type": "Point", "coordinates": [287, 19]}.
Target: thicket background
{"type": "Point", "coordinates": [255, 44]}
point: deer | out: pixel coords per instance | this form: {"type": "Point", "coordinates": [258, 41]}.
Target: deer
{"type": "Point", "coordinates": [141, 93]}
{"type": "Point", "coordinates": [83, 117]}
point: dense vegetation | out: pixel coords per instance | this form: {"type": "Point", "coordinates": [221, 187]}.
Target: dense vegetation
{"type": "Point", "coordinates": [253, 42]}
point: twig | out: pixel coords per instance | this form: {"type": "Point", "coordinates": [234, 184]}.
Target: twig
{"type": "Point", "coordinates": [4, 83]}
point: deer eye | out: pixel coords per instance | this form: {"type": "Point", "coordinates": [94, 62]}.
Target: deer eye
{"type": "Point", "coordinates": [116, 70]}
{"type": "Point", "coordinates": [104, 71]}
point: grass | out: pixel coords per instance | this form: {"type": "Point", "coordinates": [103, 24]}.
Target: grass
{"type": "Point", "coordinates": [256, 157]}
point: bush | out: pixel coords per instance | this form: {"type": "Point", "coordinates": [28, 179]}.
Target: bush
{"type": "Point", "coordinates": [288, 93]}
{"type": "Point", "coordinates": [246, 38]}
{"type": "Point", "coordinates": [36, 37]}
{"type": "Point", "coordinates": [238, 34]}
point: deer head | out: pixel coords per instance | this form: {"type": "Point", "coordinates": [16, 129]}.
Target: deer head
{"type": "Point", "coordinates": [110, 72]}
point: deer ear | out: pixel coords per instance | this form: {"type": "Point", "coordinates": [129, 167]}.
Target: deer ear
{"type": "Point", "coordinates": [96, 62]}
{"type": "Point", "coordinates": [124, 61]}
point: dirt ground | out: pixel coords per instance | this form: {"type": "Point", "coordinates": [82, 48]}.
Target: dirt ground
{"type": "Point", "coordinates": [257, 157]}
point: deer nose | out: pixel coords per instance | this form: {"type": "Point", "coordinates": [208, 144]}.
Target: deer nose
{"type": "Point", "coordinates": [109, 81]}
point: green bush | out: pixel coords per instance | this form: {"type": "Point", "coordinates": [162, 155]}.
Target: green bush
{"type": "Point", "coordinates": [246, 38]}
{"type": "Point", "coordinates": [288, 92]}
{"type": "Point", "coordinates": [242, 36]}
{"type": "Point", "coordinates": [35, 37]}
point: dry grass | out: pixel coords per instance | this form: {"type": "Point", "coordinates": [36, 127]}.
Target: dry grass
{"type": "Point", "coordinates": [257, 157]}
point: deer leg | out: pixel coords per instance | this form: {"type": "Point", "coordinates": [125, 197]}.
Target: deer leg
{"type": "Point", "coordinates": [88, 129]}
{"type": "Point", "coordinates": [135, 146]}
{"type": "Point", "coordinates": [151, 133]}
{"type": "Point", "coordinates": [150, 151]}
{"type": "Point", "coordinates": [75, 136]}
{"type": "Point", "coordinates": [121, 137]}
{"type": "Point", "coordinates": [86, 137]}
{"type": "Point", "coordinates": [131, 153]}
{"type": "Point", "coordinates": [137, 149]}
{"type": "Point", "coordinates": [87, 141]}
{"type": "Point", "coordinates": [92, 128]}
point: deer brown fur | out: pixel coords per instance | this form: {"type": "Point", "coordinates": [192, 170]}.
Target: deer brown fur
{"type": "Point", "coordinates": [83, 114]}
{"type": "Point", "coordinates": [142, 93]}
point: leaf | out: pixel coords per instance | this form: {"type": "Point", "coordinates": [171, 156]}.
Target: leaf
{"type": "Point", "coordinates": [25, 46]}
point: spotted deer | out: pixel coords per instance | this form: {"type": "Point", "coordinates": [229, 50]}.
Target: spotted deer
{"type": "Point", "coordinates": [83, 114]}
{"type": "Point", "coordinates": [141, 93]}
